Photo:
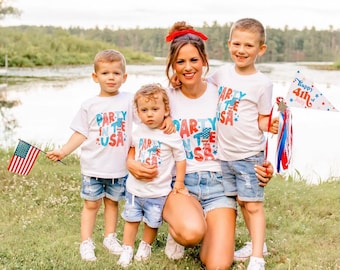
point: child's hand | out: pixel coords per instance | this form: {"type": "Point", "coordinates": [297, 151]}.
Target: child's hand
{"type": "Point", "coordinates": [179, 187]}
{"type": "Point", "coordinates": [274, 125]}
{"type": "Point", "coordinates": [55, 155]}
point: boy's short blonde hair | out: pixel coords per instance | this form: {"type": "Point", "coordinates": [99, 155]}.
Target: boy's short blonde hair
{"type": "Point", "coordinates": [108, 56]}
{"type": "Point", "coordinates": [249, 24]}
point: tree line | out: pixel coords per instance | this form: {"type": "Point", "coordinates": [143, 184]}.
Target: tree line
{"type": "Point", "coordinates": [29, 46]}
{"type": "Point", "coordinates": [288, 45]}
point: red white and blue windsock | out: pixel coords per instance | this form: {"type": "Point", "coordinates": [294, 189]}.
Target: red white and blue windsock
{"type": "Point", "coordinates": [285, 137]}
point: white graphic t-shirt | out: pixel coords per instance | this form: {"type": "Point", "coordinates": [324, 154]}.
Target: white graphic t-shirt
{"type": "Point", "coordinates": [195, 121]}
{"type": "Point", "coordinates": [106, 122]}
{"type": "Point", "coordinates": [241, 99]}
{"type": "Point", "coordinates": [153, 146]}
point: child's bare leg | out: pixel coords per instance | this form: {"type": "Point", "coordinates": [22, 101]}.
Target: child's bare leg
{"type": "Point", "coordinates": [110, 216]}
{"type": "Point", "coordinates": [257, 226]}
{"type": "Point", "coordinates": [149, 234]}
{"type": "Point", "coordinates": [88, 218]}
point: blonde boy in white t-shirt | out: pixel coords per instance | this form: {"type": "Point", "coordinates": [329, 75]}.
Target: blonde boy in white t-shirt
{"type": "Point", "coordinates": [145, 199]}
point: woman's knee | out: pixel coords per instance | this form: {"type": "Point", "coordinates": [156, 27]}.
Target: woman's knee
{"type": "Point", "coordinates": [190, 235]}
{"type": "Point", "coordinates": [188, 232]}
{"type": "Point", "coordinates": [213, 262]}
{"type": "Point", "coordinates": [186, 220]}
{"type": "Point", "coordinates": [218, 265]}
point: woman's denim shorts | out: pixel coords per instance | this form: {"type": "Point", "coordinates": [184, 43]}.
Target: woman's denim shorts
{"type": "Point", "coordinates": [208, 189]}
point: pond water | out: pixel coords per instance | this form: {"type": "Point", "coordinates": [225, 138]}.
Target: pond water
{"type": "Point", "coordinates": [48, 105]}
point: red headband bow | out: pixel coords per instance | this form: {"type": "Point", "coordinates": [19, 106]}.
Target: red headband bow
{"type": "Point", "coordinates": [179, 33]}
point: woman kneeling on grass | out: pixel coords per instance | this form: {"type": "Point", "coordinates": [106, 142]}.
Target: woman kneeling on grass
{"type": "Point", "coordinates": [206, 216]}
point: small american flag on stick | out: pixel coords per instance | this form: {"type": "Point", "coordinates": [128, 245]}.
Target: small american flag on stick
{"type": "Point", "coordinates": [23, 158]}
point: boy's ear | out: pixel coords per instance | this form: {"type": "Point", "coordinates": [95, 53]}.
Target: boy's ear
{"type": "Point", "coordinates": [263, 49]}
{"type": "Point", "coordinates": [94, 77]}
{"type": "Point", "coordinates": [124, 77]}
{"type": "Point", "coordinates": [167, 112]}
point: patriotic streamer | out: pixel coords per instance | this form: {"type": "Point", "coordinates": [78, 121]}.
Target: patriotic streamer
{"type": "Point", "coordinates": [285, 137]}
{"type": "Point", "coordinates": [301, 94]}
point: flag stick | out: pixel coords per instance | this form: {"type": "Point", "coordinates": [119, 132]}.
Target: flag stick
{"type": "Point", "coordinates": [41, 150]}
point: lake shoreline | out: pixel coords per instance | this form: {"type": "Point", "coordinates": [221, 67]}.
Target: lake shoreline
{"type": "Point", "coordinates": [50, 97]}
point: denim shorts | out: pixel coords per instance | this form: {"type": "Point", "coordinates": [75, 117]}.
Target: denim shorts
{"type": "Point", "coordinates": [239, 178]}
{"type": "Point", "coordinates": [208, 189]}
{"type": "Point", "coordinates": [148, 210]}
{"type": "Point", "coordinates": [93, 188]}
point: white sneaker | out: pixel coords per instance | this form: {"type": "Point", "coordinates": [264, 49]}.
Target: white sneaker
{"type": "Point", "coordinates": [245, 252]}
{"type": "Point", "coordinates": [125, 258]}
{"type": "Point", "coordinates": [143, 252]}
{"type": "Point", "coordinates": [173, 250]}
{"type": "Point", "coordinates": [87, 250]}
{"type": "Point", "coordinates": [256, 263]}
{"type": "Point", "coordinates": [112, 244]}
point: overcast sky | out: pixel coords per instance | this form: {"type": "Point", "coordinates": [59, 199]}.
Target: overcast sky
{"type": "Point", "coordinates": [159, 13]}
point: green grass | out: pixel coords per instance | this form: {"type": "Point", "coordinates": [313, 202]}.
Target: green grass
{"type": "Point", "coordinates": [40, 224]}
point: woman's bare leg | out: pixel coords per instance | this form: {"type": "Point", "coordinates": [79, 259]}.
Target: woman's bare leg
{"type": "Point", "coordinates": [217, 251]}
{"type": "Point", "coordinates": [185, 218]}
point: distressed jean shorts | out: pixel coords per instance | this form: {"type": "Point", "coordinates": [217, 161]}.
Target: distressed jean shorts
{"type": "Point", "coordinates": [148, 210]}
{"type": "Point", "coordinates": [208, 189]}
{"type": "Point", "coordinates": [94, 188]}
{"type": "Point", "coordinates": [239, 178]}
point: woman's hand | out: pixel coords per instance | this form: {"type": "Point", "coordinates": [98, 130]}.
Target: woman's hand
{"type": "Point", "coordinates": [175, 82]}
{"type": "Point", "coordinates": [168, 126]}
{"type": "Point", "coordinates": [142, 171]}
{"type": "Point", "coordinates": [264, 173]}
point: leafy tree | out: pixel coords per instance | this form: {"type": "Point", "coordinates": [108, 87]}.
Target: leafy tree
{"type": "Point", "coordinates": [8, 122]}
{"type": "Point", "coordinates": [6, 10]}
